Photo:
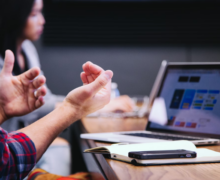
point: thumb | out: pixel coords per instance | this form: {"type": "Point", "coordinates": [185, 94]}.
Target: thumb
{"type": "Point", "coordinates": [101, 81]}
{"type": "Point", "coordinates": [8, 63]}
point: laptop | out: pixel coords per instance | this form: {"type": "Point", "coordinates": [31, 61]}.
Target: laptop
{"type": "Point", "coordinates": [191, 94]}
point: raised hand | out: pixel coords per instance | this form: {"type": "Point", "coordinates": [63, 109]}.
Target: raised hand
{"type": "Point", "coordinates": [21, 94]}
{"type": "Point", "coordinates": [95, 93]}
{"type": "Point", "coordinates": [122, 103]}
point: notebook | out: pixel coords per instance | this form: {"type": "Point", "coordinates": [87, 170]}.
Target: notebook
{"type": "Point", "coordinates": [189, 107]}
{"type": "Point", "coordinates": [120, 152]}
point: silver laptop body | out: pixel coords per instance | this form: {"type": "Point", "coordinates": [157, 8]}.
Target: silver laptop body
{"type": "Point", "coordinates": [191, 92]}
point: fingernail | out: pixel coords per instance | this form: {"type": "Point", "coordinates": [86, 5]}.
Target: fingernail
{"type": "Point", "coordinates": [107, 75]}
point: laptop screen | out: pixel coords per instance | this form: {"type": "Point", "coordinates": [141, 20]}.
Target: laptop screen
{"type": "Point", "coordinates": [192, 100]}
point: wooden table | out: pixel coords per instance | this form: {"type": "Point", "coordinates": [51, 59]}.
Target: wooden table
{"type": "Point", "coordinates": [112, 169]}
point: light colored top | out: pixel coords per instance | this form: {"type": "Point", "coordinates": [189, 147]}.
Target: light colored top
{"type": "Point", "coordinates": [50, 99]}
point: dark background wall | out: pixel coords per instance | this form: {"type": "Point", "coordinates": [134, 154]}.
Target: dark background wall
{"type": "Point", "coordinates": [129, 38]}
{"type": "Point", "coordinates": [135, 68]}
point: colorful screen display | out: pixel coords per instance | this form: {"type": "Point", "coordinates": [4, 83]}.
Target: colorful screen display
{"type": "Point", "coordinates": [192, 100]}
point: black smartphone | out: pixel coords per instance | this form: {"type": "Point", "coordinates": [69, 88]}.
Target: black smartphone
{"type": "Point", "coordinates": [164, 154]}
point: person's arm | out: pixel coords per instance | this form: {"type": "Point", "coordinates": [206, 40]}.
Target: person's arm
{"type": "Point", "coordinates": [17, 155]}
{"type": "Point", "coordinates": [80, 102]}
{"type": "Point", "coordinates": [18, 95]}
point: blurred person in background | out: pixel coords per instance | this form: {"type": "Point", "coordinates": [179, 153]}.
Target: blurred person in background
{"type": "Point", "coordinates": [22, 21]}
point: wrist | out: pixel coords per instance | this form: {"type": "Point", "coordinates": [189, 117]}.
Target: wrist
{"type": "Point", "coordinates": [73, 112]}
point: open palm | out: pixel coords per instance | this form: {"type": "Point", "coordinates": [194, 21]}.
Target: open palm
{"type": "Point", "coordinates": [95, 93]}
{"type": "Point", "coordinates": [17, 93]}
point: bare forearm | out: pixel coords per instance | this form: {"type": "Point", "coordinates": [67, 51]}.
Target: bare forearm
{"type": "Point", "coordinates": [45, 130]}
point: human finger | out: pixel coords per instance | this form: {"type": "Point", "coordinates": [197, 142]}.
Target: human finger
{"type": "Point", "coordinates": [95, 69]}
{"type": "Point", "coordinates": [28, 76]}
{"type": "Point", "coordinates": [8, 63]}
{"type": "Point", "coordinates": [90, 78]}
{"type": "Point", "coordinates": [90, 68]}
{"type": "Point", "coordinates": [38, 82]}
{"type": "Point", "coordinates": [84, 78]}
{"type": "Point", "coordinates": [41, 92]}
{"type": "Point", "coordinates": [108, 86]}
{"type": "Point", "coordinates": [39, 102]}
{"type": "Point", "coordinates": [92, 71]}
{"type": "Point", "coordinates": [85, 68]}
{"type": "Point", "coordinates": [103, 81]}
{"type": "Point", "coordinates": [127, 107]}
{"type": "Point", "coordinates": [127, 101]}
{"type": "Point", "coordinates": [121, 109]}
{"type": "Point", "coordinates": [127, 104]}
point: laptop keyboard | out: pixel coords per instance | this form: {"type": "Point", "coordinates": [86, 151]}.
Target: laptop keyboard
{"type": "Point", "coordinates": [157, 136]}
